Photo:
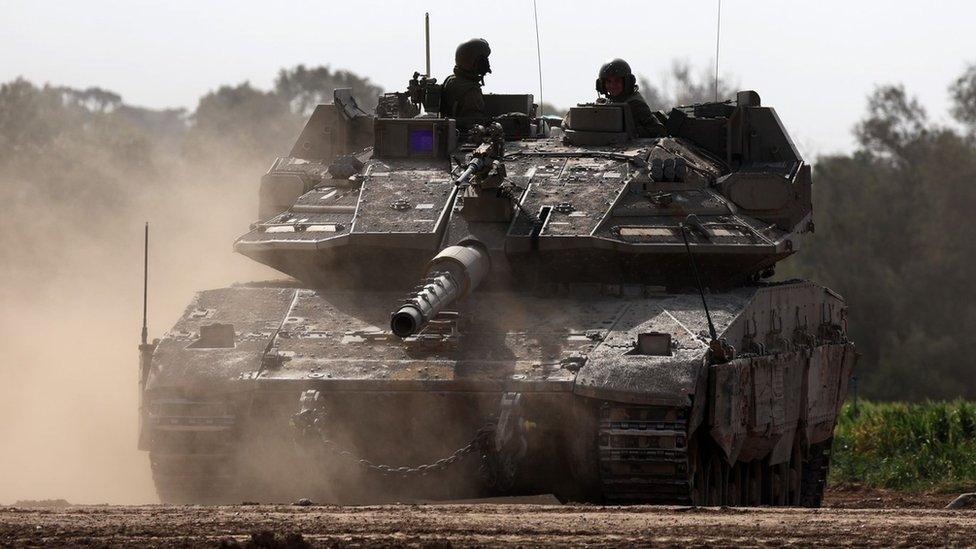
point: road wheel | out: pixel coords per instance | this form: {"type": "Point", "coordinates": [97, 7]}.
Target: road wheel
{"type": "Point", "coordinates": [696, 472]}
{"type": "Point", "coordinates": [716, 482]}
{"type": "Point", "coordinates": [767, 482]}
{"type": "Point", "coordinates": [754, 482]}
{"type": "Point", "coordinates": [795, 475]}
{"type": "Point", "coordinates": [814, 474]}
{"type": "Point", "coordinates": [781, 483]}
{"type": "Point", "coordinates": [736, 485]}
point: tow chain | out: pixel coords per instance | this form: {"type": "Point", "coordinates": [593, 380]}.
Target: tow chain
{"type": "Point", "coordinates": [309, 423]}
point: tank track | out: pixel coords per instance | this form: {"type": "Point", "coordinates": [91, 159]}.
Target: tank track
{"type": "Point", "coordinates": [814, 474]}
{"type": "Point", "coordinates": [644, 454]}
{"type": "Point", "coordinates": [194, 467]}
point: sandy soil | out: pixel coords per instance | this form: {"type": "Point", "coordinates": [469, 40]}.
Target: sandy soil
{"type": "Point", "coordinates": [892, 521]}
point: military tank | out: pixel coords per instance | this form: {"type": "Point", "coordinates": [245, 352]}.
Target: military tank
{"type": "Point", "coordinates": [511, 305]}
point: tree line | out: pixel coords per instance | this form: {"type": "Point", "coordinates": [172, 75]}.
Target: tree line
{"type": "Point", "coordinates": [895, 219]}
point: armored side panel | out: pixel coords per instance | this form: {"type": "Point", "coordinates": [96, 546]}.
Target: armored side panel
{"type": "Point", "coordinates": [333, 130]}
{"type": "Point", "coordinates": [499, 103]}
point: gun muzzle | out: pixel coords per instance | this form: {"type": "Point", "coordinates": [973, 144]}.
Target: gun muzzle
{"type": "Point", "coordinates": [454, 273]}
{"type": "Point", "coordinates": [476, 165]}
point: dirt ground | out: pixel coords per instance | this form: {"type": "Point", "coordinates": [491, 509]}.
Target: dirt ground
{"type": "Point", "coordinates": [850, 518]}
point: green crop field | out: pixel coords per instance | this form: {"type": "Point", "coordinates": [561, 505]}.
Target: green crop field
{"type": "Point", "coordinates": [914, 447]}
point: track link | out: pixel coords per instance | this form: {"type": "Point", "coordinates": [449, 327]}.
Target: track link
{"type": "Point", "coordinates": [644, 455]}
{"type": "Point", "coordinates": [193, 467]}
{"type": "Point", "coordinates": [814, 474]}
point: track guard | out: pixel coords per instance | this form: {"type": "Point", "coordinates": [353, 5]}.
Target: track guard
{"type": "Point", "coordinates": [508, 445]}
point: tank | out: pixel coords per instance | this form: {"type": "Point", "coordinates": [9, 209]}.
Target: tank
{"type": "Point", "coordinates": [511, 305]}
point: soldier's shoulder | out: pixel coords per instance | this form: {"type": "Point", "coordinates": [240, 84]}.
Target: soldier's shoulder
{"type": "Point", "coordinates": [460, 83]}
{"type": "Point", "coordinates": [459, 78]}
{"type": "Point", "coordinates": [636, 97]}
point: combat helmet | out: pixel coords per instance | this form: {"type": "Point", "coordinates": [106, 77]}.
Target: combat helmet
{"type": "Point", "coordinates": [616, 67]}
{"type": "Point", "coordinates": [473, 56]}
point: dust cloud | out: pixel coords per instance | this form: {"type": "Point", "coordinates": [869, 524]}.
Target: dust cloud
{"type": "Point", "coordinates": [71, 307]}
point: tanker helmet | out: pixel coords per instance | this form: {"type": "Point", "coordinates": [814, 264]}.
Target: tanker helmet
{"type": "Point", "coordinates": [616, 67]}
{"type": "Point", "coordinates": [473, 56]}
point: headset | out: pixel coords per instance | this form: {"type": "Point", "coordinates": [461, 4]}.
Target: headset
{"type": "Point", "coordinates": [630, 83]}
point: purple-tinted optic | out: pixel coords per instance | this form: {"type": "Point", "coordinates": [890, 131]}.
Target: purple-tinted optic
{"type": "Point", "coordinates": [421, 141]}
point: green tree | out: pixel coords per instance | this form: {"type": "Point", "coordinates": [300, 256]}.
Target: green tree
{"type": "Point", "coordinates": [304, 88]}
{"type": "Point", "coordinates": [682, 86]}
{"type": "Point", "coordinates": [963, 93]}
{"type": "Point", "coordinates": [242, 121]}
{"type": "Point", "coordinates": [894, 228]}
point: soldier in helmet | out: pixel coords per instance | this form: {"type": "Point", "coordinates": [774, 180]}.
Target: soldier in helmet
{"type": "Point", "coordinates": [461, 96]}
{"type": "Point", "coordinates": [617, 82]}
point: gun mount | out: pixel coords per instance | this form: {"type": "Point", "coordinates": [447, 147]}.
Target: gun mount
{"type": "Point", "coordinates": [452, 274]}
{"type": "Point", "coordinates": [490, 150]}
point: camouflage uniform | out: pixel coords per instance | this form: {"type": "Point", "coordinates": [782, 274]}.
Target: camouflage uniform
{"type": "Point", "coordinates": [647, 121]}
{"type": "Point", "coordinates": [461, 95]}
{"type": "Point", "coordinates": [649, 124]}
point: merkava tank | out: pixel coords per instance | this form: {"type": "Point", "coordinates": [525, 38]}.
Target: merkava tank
{"type": "Point", "coordinates": [511, 306]}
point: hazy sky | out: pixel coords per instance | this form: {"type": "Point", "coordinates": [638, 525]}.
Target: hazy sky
{"type": "Point", "coordinates": [815, 61]}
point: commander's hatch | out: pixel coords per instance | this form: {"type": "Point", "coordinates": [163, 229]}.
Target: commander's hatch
{"type": "Point", "coordinates": [600, 124]}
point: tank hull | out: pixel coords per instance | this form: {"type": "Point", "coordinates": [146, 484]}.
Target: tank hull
{"type": "Point", "coordinates": [550, 393]}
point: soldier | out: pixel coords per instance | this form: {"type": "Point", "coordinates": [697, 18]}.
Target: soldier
{"type": "Point", "coordinates": [461, 96]}
{"type": "Point", "coordinates": [618, 84]}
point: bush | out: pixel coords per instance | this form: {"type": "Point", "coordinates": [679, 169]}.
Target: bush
{"type": "Point", "coordinates": [915, 447]}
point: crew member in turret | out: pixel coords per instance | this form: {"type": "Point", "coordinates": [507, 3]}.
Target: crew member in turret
{"type": "Point", "coordinates": [461, 96]}
{"type": "Point", "coordinates": [617, 83]}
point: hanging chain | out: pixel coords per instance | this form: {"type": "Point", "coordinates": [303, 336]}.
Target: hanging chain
{"type": "Point", "coordinates": [309, 429]}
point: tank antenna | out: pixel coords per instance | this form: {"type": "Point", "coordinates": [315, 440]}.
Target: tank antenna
{"type": "Point", "coordinates": [145, 285]}
{"type": "Point", "coordinates": [694, 268]}
{"type": "Point", "coordinates": [718, 34]}
{"type": "Point", "coordinates": [538, 53]}
{"type": "Point", "coordinates": [427, 39]}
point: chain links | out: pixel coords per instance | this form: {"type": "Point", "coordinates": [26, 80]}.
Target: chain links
{"type": "Point", "coordinates": [309, 429]}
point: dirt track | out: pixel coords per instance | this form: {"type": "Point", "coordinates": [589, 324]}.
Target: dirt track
{"type": "Point", "coordinates": [493, 524]}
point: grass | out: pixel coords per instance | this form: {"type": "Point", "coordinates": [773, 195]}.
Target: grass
{"type": "Point", "coordinates": [928, 446]}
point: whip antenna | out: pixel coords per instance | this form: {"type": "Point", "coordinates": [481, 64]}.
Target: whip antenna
{"type": "Point", "coordinates": [145, 285]}
{"type": "Point", "coordinates": [685, 227]}
{"type": "Point", "coordinates": [427, 39]}
{"type": "Point", "coordinates": [718, 34]}
{"type": "Point", "coordinates": [538, 52]}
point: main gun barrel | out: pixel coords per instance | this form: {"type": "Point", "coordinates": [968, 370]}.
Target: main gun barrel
{"type": "Point", "coordinates": [454, 273]}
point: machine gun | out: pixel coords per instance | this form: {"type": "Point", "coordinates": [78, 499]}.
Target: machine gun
{"type": "Point", "coordinates": [486, 158]}
{"type": "Point", "coordinates": [424, 90]}
{"type": "Point", "coordinates": [453, 273]}
{"type": "Point", "coordinates": [492, 197]}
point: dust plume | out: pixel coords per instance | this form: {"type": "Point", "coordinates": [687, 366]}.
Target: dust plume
{"type": "Point", "coordinates": [80, 172]}
{"type": "Point", "coordinates": [71, 304]}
